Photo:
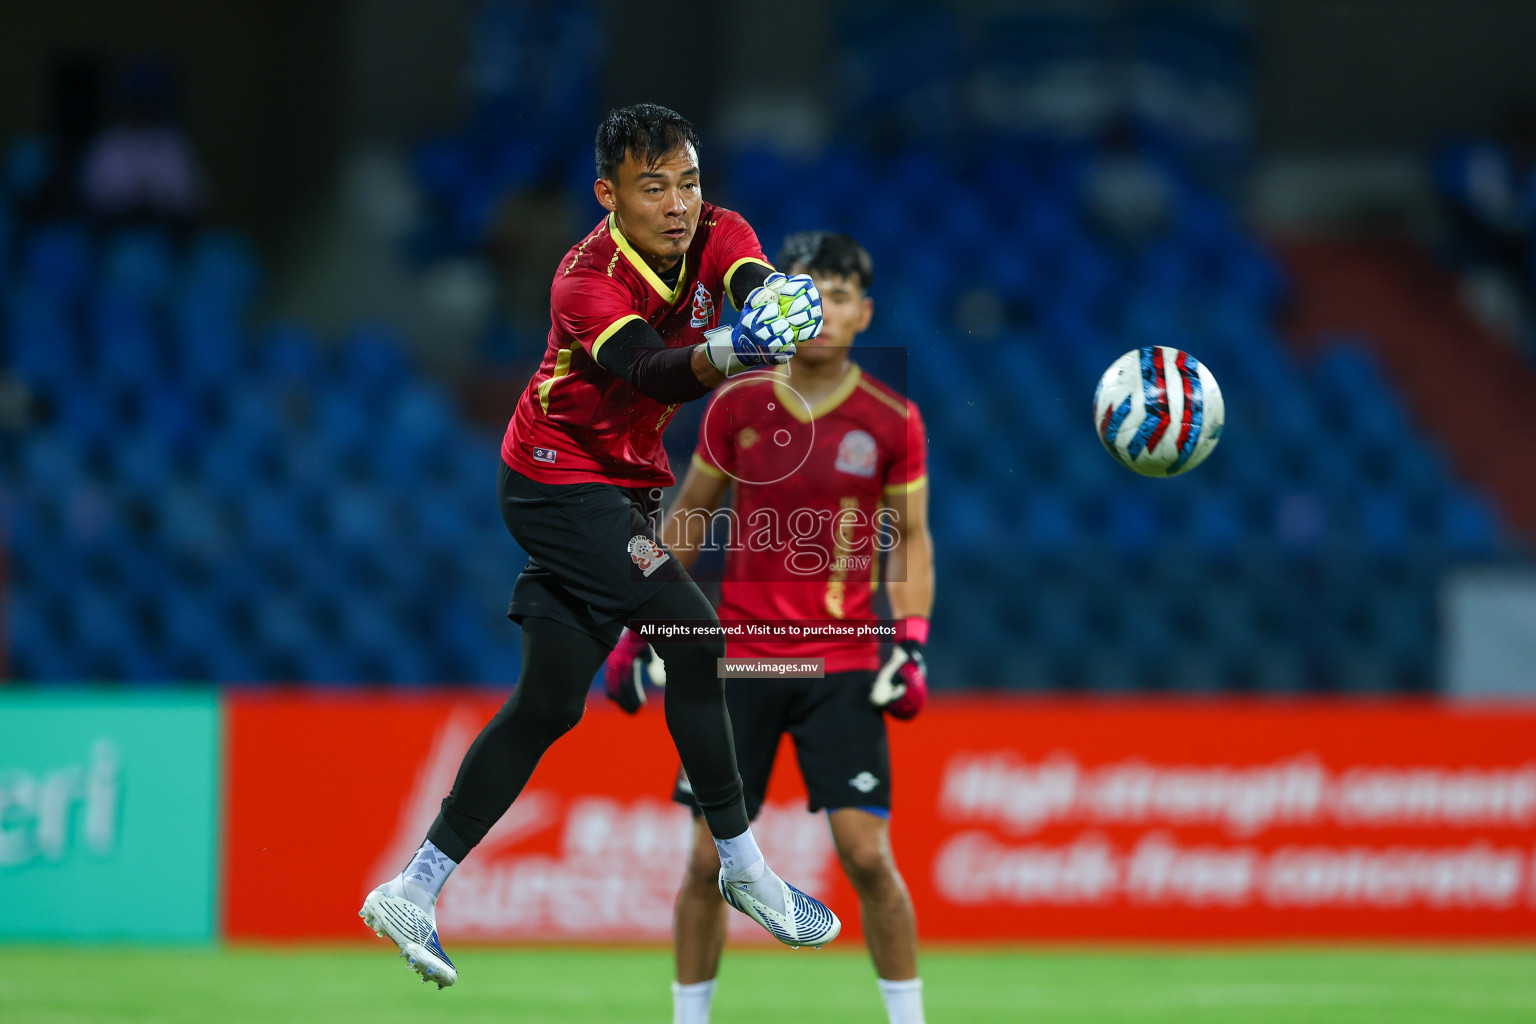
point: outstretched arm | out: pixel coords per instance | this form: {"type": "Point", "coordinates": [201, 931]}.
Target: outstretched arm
{"type": "Point", "coordinates": [671, 375]}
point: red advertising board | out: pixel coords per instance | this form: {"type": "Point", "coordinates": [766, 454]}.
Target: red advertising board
{"type": "Point", "coordinates": [1013, 819]}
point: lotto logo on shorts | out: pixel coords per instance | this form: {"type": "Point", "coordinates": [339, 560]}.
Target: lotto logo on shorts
{"type": "Point", "coordinates": [645, 554]}
{"type": "Point", "coordinates": [544, 454]}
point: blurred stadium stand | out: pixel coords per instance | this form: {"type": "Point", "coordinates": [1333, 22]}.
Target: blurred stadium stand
{"type": "Point", "coordinates": [200, 495]}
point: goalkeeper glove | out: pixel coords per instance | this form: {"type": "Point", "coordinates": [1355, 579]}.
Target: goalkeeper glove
{"type": "Point", "coordinates": [901, 686]}
{"type": "Point", "coordinates": [779, 312]}
{"type": "Point", "coordinates": [630, 665]}
{"type": "Point", "coordinates": [799, 303]}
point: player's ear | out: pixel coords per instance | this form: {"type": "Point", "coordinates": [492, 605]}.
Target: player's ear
{"type": "Point", "coordinates": [866, 313]}
{"type": "Point", "coordinates": [604, 190]}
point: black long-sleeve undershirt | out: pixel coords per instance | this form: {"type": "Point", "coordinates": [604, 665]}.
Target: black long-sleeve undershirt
{"type": "Point", "coordinates": [638, 354]}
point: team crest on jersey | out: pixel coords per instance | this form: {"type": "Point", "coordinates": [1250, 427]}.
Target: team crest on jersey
{"type": "Point", "coordinates": [703, 307]}
{"type": "Point", "coordinates": [747, 438]}
{"type": "Point", "coordinates": [856, 454]}
{"type": "Point", "coordinates": [645, 554]}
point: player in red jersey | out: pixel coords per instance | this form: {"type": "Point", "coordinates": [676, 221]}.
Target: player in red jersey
{"type": "Point", "coordinates": [635, 311]}
{"type": "Point", "coordinates": [828, 467]}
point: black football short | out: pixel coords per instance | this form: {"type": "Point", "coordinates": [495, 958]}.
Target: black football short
{"type": "Point", "coordinates": [594, 552]}
{"type": "Point", "coordinates": [839, 739]}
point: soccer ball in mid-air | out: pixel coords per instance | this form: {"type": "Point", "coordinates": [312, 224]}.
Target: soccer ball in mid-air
{"type": "Point", "coordinates": [1158, 410]}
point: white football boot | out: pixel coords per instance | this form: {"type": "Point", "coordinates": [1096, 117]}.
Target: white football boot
{"type": "Point", "coordinates": [391, 915]}
{"type": "Point", "coordinates": [805, 920]}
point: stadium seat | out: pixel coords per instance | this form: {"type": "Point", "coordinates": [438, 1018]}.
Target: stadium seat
{"type": "Point", "coordinates": [290, 353]}
{"type": "Point", "coordinates": [222, 268]}
{"type": "Point", "coordinates": [57, 259]}
{"type": "Point", "coordinates": [141, 462]}
{"type": "Point", "coordinates": [1468, 524]}
{"type": "Point", "coordinates": [206, 342]}
{"type": "Point", "coordinates": [41, 343]}
{"type": "Point", "coordinates": [138, 266]}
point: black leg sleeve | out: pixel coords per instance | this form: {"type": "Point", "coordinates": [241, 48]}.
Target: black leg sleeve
{"type": "Point", "coordinates": [551, 693]}
{"type": "Point", "coordinates": [696, 715]}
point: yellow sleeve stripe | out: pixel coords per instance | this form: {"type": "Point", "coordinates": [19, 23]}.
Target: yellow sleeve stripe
{"type": "Point", "coordinates": [736, 266]}
{"type": "Point", "coordinates": [896, 404]}
{"type": "Point", "coordinates": [708, 470]}
{"type": "Point", "coordinates": [908, 487]}
{"type": "Point", "coordinates": [562, 367]}
{"type": "Point", "coordinates": [608, 331]}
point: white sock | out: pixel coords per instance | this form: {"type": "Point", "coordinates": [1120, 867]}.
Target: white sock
{"type": "Point", "coordinates": [740, 859]}
{"type": "Point", "coordinates": [903, 1000]}
{"type": "Point", "coordinates": [690, 1003]}
{"type": "Point", "coordinates": [425, 874]}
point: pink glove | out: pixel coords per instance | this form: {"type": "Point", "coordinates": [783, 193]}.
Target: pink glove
{"type": "Point", "coordinates": [629, 665]}
{"type": "Point", "coordinates": [901, 686]}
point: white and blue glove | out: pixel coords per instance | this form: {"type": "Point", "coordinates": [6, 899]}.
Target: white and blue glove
{"type": "Point", "coordinates": [780, 312]}
{"type": "Point", "coordinates": [799, 303]}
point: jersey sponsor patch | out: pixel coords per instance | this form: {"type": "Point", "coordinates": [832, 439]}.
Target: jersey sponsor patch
{"type": "Point", "coordinates": [544, 454]}
{"type": "Point", "coordinates": [703, 307]}
{"type": "Point", "coordinates": [645, 554]}
{"type": "Point", "coordinates": [857, 454]}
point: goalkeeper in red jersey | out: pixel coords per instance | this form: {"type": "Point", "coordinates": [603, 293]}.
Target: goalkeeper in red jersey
{"type": "Point", "coordinates": [835, 462]}
{"type": "Point", "coordinates": [638, 324]}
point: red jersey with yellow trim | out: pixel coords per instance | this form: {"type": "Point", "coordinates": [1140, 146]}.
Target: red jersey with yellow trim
{"type": "Point", "coordinates": [811, 484]}
{"type": "Point", "coordinates": [577, 422]}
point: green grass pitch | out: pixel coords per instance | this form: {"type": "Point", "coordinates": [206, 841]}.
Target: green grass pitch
{"type": "Point", "coordinates": [1264, 985]}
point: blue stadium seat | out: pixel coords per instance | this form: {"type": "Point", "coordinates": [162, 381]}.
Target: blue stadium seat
{"type": "Point", "coordinates": [222, 268]}
{"type": "Point", "coordinates": [290, 353]}
{"type": "Point", "coordinates": [372, 361]}
{"type": "Point", "coordinates": [343, 422]}
{"type": "Point", "coordinates": [1216, 523]}
{"type": "Point", "coordinates": [1048, 521]}
{"type": "Point", "coordinates": [141, 462]}
{"type": "Point", "coordinates": [1468, 524]}
{"type": "Point", "coordinates": [31, 636]}
{"type": "Point", "coordinates": [358, 518]}
{"type": "Point", "coordinates": [966, 519]}
{"type": "Point", "coordinates": [274, 520]}
{"type": "Point", "coordinates": [54, 461]}
{"type": "Point", "coordinates": [1383, 522]}
{"type": "Point", "coordinates": [138, 266]}
{"type": "Point", "coordinates": [57, 259]}
{"type": "Point", "coordinates": [191, 519]}
{"type": "Point", "coordinates": [207, 341]}
{"type": "Point", "coordinates": [232, 463]}
{"type": "Point", "coordinates": [128, 347]}
{"type": "Point", "coordinates": [253, 415]}
{"type": "Point", "coordinates": [194, 621]}
{"type": "Point", "coordinates": [172, 416]}
{"type": "Point", "coordinates": [328, 665]}
{"type": "Point", "coordinates": [285, 623]}
{"type": "Point", "coordinates": [103, 621]}
{"type": "Point", "coordinates": [1135, 522]}
{"type": "Point", "coordinates": [42, 346]}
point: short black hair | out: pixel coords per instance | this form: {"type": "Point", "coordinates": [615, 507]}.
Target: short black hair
{"type": "Point", "coordinates": [830, 252]}
{"type": "Point", "coordinates": [648, 130]}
